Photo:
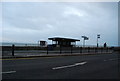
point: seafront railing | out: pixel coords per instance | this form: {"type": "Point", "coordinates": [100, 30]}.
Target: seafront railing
{"type": "Point", "coordinates": [38, 50]}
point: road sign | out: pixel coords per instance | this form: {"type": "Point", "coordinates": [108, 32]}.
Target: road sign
{"type": "Point", "coordinates": [98, 36]}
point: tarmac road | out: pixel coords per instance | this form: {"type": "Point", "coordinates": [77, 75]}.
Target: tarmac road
{"type": "Point", "coordinates": [104, 66]}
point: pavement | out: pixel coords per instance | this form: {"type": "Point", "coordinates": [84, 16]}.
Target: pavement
{"type": "Point", "coordinates": [92, 66]}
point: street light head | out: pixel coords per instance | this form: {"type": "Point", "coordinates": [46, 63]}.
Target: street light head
{"type": "Point", "coordinates": [85, 38]}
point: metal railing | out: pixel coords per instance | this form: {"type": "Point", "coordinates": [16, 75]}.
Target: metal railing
{"type": "Point", "coordinates": [37, 50]}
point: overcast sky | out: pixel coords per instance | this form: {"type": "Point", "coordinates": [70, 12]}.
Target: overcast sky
{"type": "Point", "coordinates": [28, 22]}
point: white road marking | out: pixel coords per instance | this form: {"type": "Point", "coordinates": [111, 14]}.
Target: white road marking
{"type": "Point", "coordinates": [76, 64]}
{"type": "Point", "coordinates": [7, 72]}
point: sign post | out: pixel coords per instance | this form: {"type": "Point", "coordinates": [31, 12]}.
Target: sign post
{"type": "Point", "coordinates": [84, 38]}
{"type": "Point", "coordinates": [98, 36]}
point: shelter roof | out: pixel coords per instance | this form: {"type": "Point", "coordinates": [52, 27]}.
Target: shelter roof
{"type": "Point", "coordinates": [63, 39]}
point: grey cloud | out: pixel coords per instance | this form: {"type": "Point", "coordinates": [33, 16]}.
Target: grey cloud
{"type": "Point", "coordinates": [61, 19]}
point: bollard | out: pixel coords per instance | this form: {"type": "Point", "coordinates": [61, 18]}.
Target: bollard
{"type": "Point", "coordinates": [71, 49]}
{"type": "Point", "coordinates": [47, 49]}
{"type": "Point", "coordinates": [88, 49]}
{"type": "Point", "coordinates": [60, 49]}
{"type": "Point", "coordinates": [96, 50]}
{"type": "Point", "coordinates": [13, 49]}
{"type": "Point", "coordinates": [106, 49]}
{"type": "Point", "coordinates": [80, 49]}
{"type": "Point", "coordinates": [101, 49]}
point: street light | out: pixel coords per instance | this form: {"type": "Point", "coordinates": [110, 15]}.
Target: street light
{"type": "Point", "coordinates": [98, 36]}
{"type": "Point", "coordinates": [84, 38]}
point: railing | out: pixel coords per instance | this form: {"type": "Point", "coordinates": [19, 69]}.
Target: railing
{"type": "Point", "coordinates": [37, 50]}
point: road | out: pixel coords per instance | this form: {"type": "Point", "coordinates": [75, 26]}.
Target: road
{"type": "Point", "coordinates": [102, 66]}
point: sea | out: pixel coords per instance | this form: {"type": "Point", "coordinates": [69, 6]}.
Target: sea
{"type": "Point", "coordinates": [17, 44]}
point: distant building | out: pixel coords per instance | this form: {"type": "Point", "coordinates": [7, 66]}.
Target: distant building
{"type": "Point", "coordinates": [66, 42]}
{"type": "Point", "coordinates": [43, 43]}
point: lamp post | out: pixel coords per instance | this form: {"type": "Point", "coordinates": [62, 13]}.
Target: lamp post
{"type": "Point", "coordinates": [84, 38]}
{"type": "Point", "coordinates": [98, 36]}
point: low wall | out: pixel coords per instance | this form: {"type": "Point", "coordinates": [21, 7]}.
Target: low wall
{"type": "Point", "coordinates": [8, 48]}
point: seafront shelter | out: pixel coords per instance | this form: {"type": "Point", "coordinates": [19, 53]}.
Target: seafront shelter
{"type": "Point", "coordinates": [64, 42]}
